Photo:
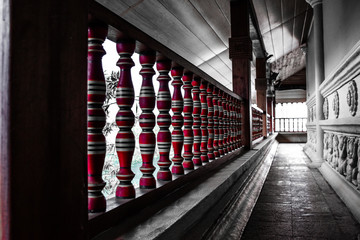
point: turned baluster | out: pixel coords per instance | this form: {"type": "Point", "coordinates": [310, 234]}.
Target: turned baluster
{"type": "Point", "coordinates": [238, 123]}
{"type": "Point", "coordinates": [230, 126]}
{"type": "Point", "coordinates": [210, 116]}
{"type": "Point", "coordinates": [216, 122]}
{"type": "Point", "coordinates": [232, 123]}
{"type": "Point", "coordinates": [177, 120]}
{"type": "Point", "coordinates": [97, 33]}
{"type": "Point", "coordinates": [147, 118]}
{"type": "Point", "coordinates": [188, 122]}
{"type": "Point", "coordinates": [125, 141]}
{"type": "Point", "coordinates": [204, 122]}
{"type": "Point", "coordinates": [225, 123]}
{"type": "Point", "coordinates": [197, 120]}
{"type": "Point", "coordinates": [163, 104]}
{"type": "Point", "coordinates": [221, 124]}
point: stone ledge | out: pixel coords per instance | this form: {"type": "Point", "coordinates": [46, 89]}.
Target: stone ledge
{"type": "Point", "coordinates": [173, 221]}
{"type": "Point", "coordinates": [346, 191]}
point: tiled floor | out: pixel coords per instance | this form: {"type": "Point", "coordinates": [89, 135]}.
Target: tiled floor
{"type": "Point", "coordinates": [297, 203]}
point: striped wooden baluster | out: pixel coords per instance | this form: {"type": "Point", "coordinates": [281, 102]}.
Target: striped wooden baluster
{"type": "Point", "coordinates": [177, 120]}
{"type": "Point", "coordinates": [188, 122]}
{"type": "Point", "coordinates": [221, 124]}
{"type": "Point", "coordinates": [163, 104]}
{"type": "Point", "coordinates": [97, 33]}
{"type": "Point", "coordinates": [197, 120]}
{"type": "Point", "coordinates": [216, 122]}
{"type": "Point", "coordinates": [210, 117]}
{"type": "Point", "coordinates": [147, 118]}
{"type": "Point", "coordinates": [125, 141]}
{"type": "Point", "coordinates": [239, 123]}
{"type": "Point", "coordinates": [232, 124]}
{"type": "Point", "coordinates": [225, 123]}
{"type": "Point", "coordinates": [204, 122]}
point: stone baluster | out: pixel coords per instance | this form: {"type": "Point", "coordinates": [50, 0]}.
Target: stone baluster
{"type": "Point", "coordinates": [188, 121]}
{"type": "Point", "coordinates": [216, 122]}
{"type": "Point", "coordinates": [163, 104]}
{"type": "Point", "coordinates": [204, 122]}
{"type": "Point", "coordinates": [225, 123]}
{"type": "Point", "coordinates": [210, 117]}
{"type": "Point", "coordinates": [147, 118]}
{"type": "Point", "coordinates": [177, 105]}
{"type": "Point", "coordinates": [97, 33]}
{"type": "Point", "coordinates": [221, 124]}
{"type": "Point", "coordinates": [125, 141]}
{"type": "Point", "coordinates": [197, 120]}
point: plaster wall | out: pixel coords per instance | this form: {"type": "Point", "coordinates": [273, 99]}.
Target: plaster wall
{"type": "Point", "coordinates": [310, 66]}
{"type": "Point", "coordinates": [341, 21]}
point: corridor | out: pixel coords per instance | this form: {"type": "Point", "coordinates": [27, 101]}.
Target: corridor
{"type": "Point", "coordinates": [297, 203]}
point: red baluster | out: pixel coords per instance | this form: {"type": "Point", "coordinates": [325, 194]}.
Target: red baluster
{"type": "Point", "coordinates": [97, 33]}
{"type": "Point", "coordinates": [216, 122]}
{"type": "Point", "coordinates": [147, 118]}
{"type": "Point", "coordinates": [221, 124]}
{"type": "Point", "coordinates": [204, 122]}
{"type": "Point", "coordinates": [225, 123]}
{"type": "Point", "coordinates": [125, 141]}
{"type": "Point", "coordinates": [232, 127]}
{"type": "Point", "coordinates": [228, 121]}
{"type": "Point", "coordinates": [188, 121]}
{"type": "Point", "coordinates": [197, 120]}
{"type": "Point", "coordinates": [239, 123]}
{"type": "Point", "coordinates": [163, 104]}
{"type": "Point", "coordinates": [177, 120]}
{"type": "Point", "coordinates": [210, 116]}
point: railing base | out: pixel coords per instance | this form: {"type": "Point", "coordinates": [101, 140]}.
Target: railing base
{"type": "Point", "coordinates": [180, 213]}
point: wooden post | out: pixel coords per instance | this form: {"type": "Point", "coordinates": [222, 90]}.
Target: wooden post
{"type": "Point", "coordinates": [197, 120]}
{"type": "Point", "coordinates": [240, 49]}
{"type": "Point", "coordinates": [43, 126]}
{"type": "Point", "coordinates": [260, 86]}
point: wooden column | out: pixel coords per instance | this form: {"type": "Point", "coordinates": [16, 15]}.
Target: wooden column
{"type": "Point", "coordinates": [240, 49]}
{"type": "Point", "coordinates": [269, 104]}
{"type": "Point", "coordinates": [147, 118]}
{"type": "Point", "coordinates": [163, 104]}
{"type": "Point", "coordinates": [97, 32]}
{"type": "Point", "coordinates": [261, 86]}
{"type": "Point", "coordinates": [43, 120]}
{"type": "Point", "coordinates": [125, 119]}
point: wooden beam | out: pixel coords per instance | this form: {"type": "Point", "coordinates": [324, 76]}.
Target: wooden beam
{"type": "Point", "coordinates": [43, 120]}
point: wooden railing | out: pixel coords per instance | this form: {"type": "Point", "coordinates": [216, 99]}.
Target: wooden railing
{"type": "Point", "coordinates": [206, 121]}
{"type": "Point", "coordinates": [257, 122]}
{"type": "Point", "coordinates": [290, 124]}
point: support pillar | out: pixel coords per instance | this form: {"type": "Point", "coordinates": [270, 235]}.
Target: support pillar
{"type": "Point", "coordinates": [43, 132]}
{"type": "Point", "coordinates": [240, 49]}
{"type": "Point", "coordinates": [260, 86]}
{"type": "Point", "coordinates": [319, 76]}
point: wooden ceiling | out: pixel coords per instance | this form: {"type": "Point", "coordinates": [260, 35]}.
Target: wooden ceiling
{"type": "Point", "coordinates": [198, 30]}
